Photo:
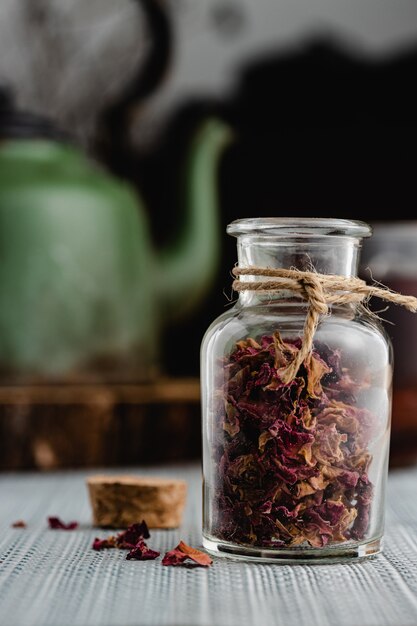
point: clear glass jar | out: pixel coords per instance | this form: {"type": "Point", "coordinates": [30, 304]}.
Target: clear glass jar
{"type": "Point", "coordinates": [295, 471]}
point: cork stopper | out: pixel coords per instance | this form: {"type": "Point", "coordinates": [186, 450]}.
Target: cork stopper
{"type": "Point", "coordinates": [118, 501]}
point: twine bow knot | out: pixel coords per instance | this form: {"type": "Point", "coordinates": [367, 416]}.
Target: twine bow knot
{"type": "Point", "coordinates": [313, 293]}
{"type": "Point", "coordinates": [320, 291]}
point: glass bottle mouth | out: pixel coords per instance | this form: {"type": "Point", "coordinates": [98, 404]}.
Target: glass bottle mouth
{"type": "Point", "coordinates": [295, 227]}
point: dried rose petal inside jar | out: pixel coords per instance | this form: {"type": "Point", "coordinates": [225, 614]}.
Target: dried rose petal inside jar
{"type": "Point", "coordinates": [293, 458]}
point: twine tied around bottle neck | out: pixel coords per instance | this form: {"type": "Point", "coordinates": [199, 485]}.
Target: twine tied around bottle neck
{"type": "Point", "coordinates": [320, 291]}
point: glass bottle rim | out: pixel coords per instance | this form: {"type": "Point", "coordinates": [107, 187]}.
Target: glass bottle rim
{"type": "Point", "coordinates": [295, 227]}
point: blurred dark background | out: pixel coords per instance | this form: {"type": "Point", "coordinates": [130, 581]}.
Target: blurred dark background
{"type": "Point", "coordinates": [319, 95]}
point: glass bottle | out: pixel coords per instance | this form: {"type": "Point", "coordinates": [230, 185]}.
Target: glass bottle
{"type": "Point", "coordinates": [390, 256]}
{"type": "Point", "coordinates": [295, 471]}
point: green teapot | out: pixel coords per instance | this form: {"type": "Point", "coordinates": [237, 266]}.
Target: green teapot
{"type": "Point", "coordinates": [81, 289]}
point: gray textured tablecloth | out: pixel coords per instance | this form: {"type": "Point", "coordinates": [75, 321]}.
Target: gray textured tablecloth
{"type": "Point", "coordinates": [53, 578]}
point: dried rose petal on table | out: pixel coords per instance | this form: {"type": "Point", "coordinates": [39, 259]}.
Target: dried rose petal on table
{"type": "Point", "coordinates": [141, 552]}
{"type": "Point", "coordinates": [130, 537]}
{"type": "Point", "coordinates": [183, 552]}
{"type": "Point", "coordinates": [19, 524]}
{"type": "Point", "coordinates": [102, 544]}
{"type": "Point", "coordinates": [56, 524]}
{"type": "Point", "coordinates": [126, 540]}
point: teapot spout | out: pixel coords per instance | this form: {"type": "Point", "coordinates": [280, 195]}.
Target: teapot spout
{"type": "Point", "coordinates": [188, 267]}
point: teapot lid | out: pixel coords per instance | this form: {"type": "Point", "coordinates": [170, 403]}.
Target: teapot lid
{"type": "Point", "coordinates": [17, 124]}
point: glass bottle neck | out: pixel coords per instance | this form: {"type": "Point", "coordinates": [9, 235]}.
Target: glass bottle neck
{"type": "Point", "coordinates": [325, 254]}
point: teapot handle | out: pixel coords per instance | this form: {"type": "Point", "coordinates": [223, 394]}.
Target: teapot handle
{"type": "Point", "coordinates": [153, 69]}
{"type": "Point", "coordinates": [156, 64]}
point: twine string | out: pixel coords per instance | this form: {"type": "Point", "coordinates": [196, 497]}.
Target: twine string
{"type": "Point", "coordinates": [319, 291]}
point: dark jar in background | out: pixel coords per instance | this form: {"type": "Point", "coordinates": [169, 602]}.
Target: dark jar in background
{"type": "Point", "coordinates": [295, 470]}
{"type": "Point", "coordinates": [390, 257]}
